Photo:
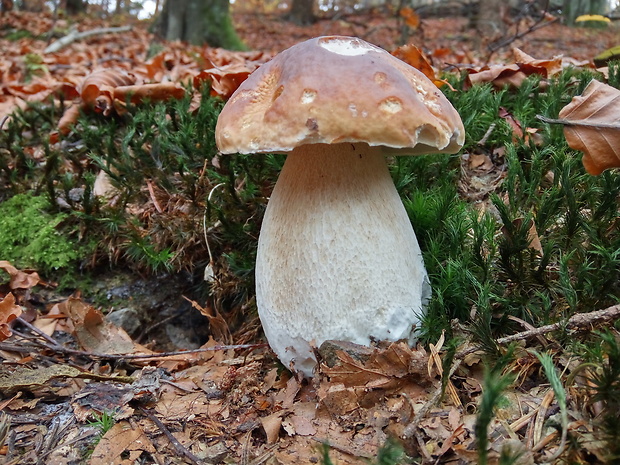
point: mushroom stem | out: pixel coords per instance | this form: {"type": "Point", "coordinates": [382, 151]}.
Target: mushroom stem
{"type": "Point", "coordinates": [337, 255]}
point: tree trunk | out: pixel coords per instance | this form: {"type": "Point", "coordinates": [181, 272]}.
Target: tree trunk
{"type": "Point", "coordinates": [75, 7]}
{"type": "Point", "coordinates": [199, 22]}
{"type": "Point", "coordinates": [574, 8]}
{"type": "Point", "coordinates": [6, 5]}
{"type": "Point", "coordinates": [302, 12]}
{"type": "Point", "coordinates": [488, 22]}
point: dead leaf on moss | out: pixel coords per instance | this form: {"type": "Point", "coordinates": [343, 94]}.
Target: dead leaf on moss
{"type": "Point", "coordinates": [592, 125]}
{"type": "Point", "coordinates": [225, 79]}
{"type": "Point", "coordinates": [97, 89]}
{"type": "Point", "coordinates": [514, 74]}
{"type": "Point", "coordinates": [20, 279]}
{"type": "Point", "coordinates": [8, 312]}
{"type": "Point", "coordinates": [137, 94]}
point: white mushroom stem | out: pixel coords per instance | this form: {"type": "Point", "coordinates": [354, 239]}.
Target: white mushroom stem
{"type": "Point", "coordinates": [337, 255]}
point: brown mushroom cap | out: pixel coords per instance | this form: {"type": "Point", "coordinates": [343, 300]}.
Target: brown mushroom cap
{"type": "Point", "coordinates": [337, 89]}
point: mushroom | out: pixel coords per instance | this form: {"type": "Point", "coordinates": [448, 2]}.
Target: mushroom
{"type": "Point", "coordinates": [337, 255]}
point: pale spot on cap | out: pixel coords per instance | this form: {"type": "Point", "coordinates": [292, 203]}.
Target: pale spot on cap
{"type": "Point", "coordinates": [348, 46]}
{"type": "Point", "coordinates": [308, 96]}
{"type": "Point", "coordinates": [391, 105]}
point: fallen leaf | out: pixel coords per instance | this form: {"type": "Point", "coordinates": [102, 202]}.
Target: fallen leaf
{"type": "Point", "coordinates": [23, 378]}
{"type": "Point", "coordinates": [8, 312]}
{"type": "Point", "coordinates": [271, 424]}
{"type": "Point", "coordinates": [514, 74]}
{"type": "Point", "coordinates": [413, 56]}
{"type": "Point", "coordinates": [98, 87]}
{"type": "Point", "coordinates": [123, 444]}
{"type": "Point", "coordinates": [225, 79]}
{"type": "Point", "coordinates": [19, 279]}
{"type": "Point", "coordinates": [410, 17]}
{"type": "Point", "coordinates": [137, 94]}
{"type": "Point", "coordinates": [93, 332]}
{"type": "Point", "coordinates": [592, 125]}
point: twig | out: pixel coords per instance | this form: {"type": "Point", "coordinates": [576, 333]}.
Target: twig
{"type": "Point", "coordinates": [174, 441]}
{"type": "Point", "coordinates": [63, 350]}
{"type": "Point", "coordinates": [586, 124]}
{"type": "Point", "coordinates": [579, 320]}
{"type": "Point", "coordinates": [36, 330]}
{"type": "Point", "coordinates": [75, 35]}
{"type": "Point", "coordinates": [494, 47]}
{"type": "Point", "coordinates": [487, 134]}
{"type": "Point", "coordinates": [542, 22]}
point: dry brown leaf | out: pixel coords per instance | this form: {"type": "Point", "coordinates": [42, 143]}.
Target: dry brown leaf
{"type": "Point", "coordinates": [98, 87]}
{"type": "Point", "coordinates": [551, 67]}
{"type": "Point", "coordinates": [413, 56]}
{"type": "Point", "coordinates": [410, 17]}
{"type": "Point", "coordinates": [592, 125]}
{"type": "Point", "coordinates": [225, 79]}
{"type": "Point", "coordinates": [386, 368]}
{"type": "Point", "coordinates": [19, 279]}
{"type": "Point", "coordinates": [517, 130]}
{"type": "Point", "coordinates": [271, 424]}
{"type": "Point", "coordinates": [93, 332]}
{"type": "Point", "coordinates": [123, 444]}
{"type": "Point", "coordinates": [8, 312]}
{"type": "Point", "coordinates": [137, 94]}
{"type": "Point", "coordinates": [67, 120]}
{"type": "Point", "coordinates": [513, 75]}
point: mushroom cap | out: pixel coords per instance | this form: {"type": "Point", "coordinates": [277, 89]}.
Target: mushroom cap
{"type": "Point", "coordinates": [337, 89]}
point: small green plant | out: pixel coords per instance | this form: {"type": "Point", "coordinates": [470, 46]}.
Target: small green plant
{"type": "Point", "coordinates": [103, 422]}
{"type": "Point", "coordinates": [31, 235]}
{"type": "Point", "coordinates": [34, 66]}
{"type": "Point", "coordinates": [391, 453]}
{"type": "Point", "coordinates": [18, 34]}
{"type": "Point", "coordinates": [496, 380]}
{"type": "Point", "coordinates": [605, 379]}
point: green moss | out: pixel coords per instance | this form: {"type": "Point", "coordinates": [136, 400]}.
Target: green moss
{"type": "Point", "coordinates": [30, 236]}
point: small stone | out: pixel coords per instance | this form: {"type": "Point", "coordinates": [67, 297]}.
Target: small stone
{"type": "Point", "coordinates": [329, 351]}
{"type": "Point", "coordinates": [126, 318]}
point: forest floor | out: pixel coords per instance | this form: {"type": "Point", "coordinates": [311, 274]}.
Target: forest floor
{"type": "Point", "coordinates": [77, 389]}
{"type": "Point", "coordinates": [436, 36]}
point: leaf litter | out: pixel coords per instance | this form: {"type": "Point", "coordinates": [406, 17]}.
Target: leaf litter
{"type": "Point", "coordinates": [70, 365]}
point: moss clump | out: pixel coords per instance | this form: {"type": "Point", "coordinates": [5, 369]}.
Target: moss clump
{"type": "Point", "coordinates": [30, 236]}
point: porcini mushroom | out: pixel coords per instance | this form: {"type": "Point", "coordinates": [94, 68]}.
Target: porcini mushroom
{"type": "Point", "coordinates": [337, 255]}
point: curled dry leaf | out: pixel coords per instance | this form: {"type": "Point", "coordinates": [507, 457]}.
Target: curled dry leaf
{"type": "Point", "coordinates": [139, 93]}
{"type": "Point", "coordinates": [413, 56]}
{"type": "Point", "coordinates": [19, 279]}
{"type": "Point", "coordinates": [8, 312]}
{"type": "Point", "coordinates": [225, 79]}
{"type": "Point", "coordinates": [513, 75]}
{"type": "Point", "coordinates": [592, 125]}
{"type": "Point", "coordinates": [68, 119]}
{"type": "Point", "coordinates": [98, 87]}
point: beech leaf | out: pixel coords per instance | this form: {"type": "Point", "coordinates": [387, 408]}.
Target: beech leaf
{"type": "Point", "coordinates": [592, 125]}
{"type": "Point", "coordinates": [9, 310]}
